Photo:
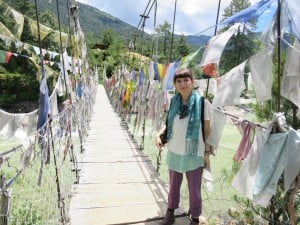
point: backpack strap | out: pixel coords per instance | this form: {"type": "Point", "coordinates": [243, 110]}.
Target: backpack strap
{"type": "Point", "coordinates": [202, 117]}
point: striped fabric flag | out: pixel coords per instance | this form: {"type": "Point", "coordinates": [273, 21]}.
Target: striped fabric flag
{"type": "Point", "coordinates": [5, 56]}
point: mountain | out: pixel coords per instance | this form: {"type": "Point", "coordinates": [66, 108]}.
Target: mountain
{"type": "Point", "coordinates": [94, 21]}
{"type": "Point", "coordinates": [197, 40]}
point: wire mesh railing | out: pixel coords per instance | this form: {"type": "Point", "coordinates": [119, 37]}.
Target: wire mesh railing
{"type": "Point", "coordinates": [37, 177]}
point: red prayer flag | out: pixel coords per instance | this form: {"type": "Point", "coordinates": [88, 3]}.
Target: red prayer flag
{"type": "Point", "coordinates": [7, 56]}
{"type": "Point", "coordinates": [210, 70]}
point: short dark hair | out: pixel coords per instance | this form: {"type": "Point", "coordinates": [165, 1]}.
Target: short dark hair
{"type": "Point", "coordinates": [181, 73]}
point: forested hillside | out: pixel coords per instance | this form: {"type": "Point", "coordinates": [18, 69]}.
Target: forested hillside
{"type": "Point", "coordinates": [94, 21]}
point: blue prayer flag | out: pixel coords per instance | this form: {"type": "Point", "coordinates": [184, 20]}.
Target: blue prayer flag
{"type": "Point", "coordinates": [43, 102]}
{"type": "Point", "coordinates": [249, 13]}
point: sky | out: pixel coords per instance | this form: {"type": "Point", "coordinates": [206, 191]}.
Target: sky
{"type": "Point", "coordinates": [192, 17]}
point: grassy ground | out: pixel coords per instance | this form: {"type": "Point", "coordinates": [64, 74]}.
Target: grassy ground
{"type": "Point", "coordinates": [7, 143]}
{"type": "Point", "coordinates": [34, 202]}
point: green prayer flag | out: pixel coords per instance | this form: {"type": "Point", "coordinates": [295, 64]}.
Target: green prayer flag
{"type": "Point", "coordinates": [185, 61]}
{"type": "Point", "coordinates": [2, 56]}
{"type": "Point", "coordinates": [5, 56]}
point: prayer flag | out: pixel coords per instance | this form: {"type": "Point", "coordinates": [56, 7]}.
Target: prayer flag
{"type": "Point", "coordinates": [79, 89]}
{"type": "Point", "coordinates": [262, 75]}
{"type": "Point", "coordinates": [249, 13]}
{"type": "Point", "coordinates": [230, 87]}
{"type": "Point", "coordinates": [186, 60]}
{"type": "Point", "coordinates": [156, 72]}
{"type": "Point", "coordinates": [210, 70]}
{"type": "Point", "coordinates": [165, 69]}
{"type": "Point", "coordinates": [151, 71]}
{"type": "Point", "coordinates": [168, 78]}
{"type": "Point", "coordinates": [160, 70]}
{"type": "Point", "coordinates": [290, 85]}
{"type": "Point", "coordinates": [216, 45]}
{"type": "Point", "coordinates": [142, 77]}
{"type": "Point", "coordinates": [5, 56]}
{"type": "Point", "coordinates": [291, 17]}
{"type": "Point", "coordinates": [43, 101]}
{"type": "Point", "coordinates": [128, 91]}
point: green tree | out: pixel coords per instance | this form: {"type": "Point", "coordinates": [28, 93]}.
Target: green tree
{"type": "Point", "coordinates": [181, 48]}
{"type": "Point", "coordinates": [164, 40]}
{"type": "Point", "coordinates": [108, 37]}
{"type": "Point", "coordinates": [234, 7]}
{"type": "Point", "coordinates": [117, 50]}
{"type": "Point", "coordinates": [241, 46]}
{"type": "Point", "coordinates": [24, 6]}
{"type": "Point", "coordinates": [47, 19]}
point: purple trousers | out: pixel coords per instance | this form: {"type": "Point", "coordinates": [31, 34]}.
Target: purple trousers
{"type": "Point", "coordinates": [194, 178]}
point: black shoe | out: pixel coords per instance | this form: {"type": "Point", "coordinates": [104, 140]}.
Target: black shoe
{"type": "Point", "coordinates": [169, 218]}
{"type": "Point", "coordinates": [194, 221]}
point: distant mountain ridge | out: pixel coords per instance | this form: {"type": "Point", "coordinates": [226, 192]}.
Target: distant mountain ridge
{"type": "Point", "coordinates": [91, 17]}
{"type": "Point", "coordinates": [94, 21]}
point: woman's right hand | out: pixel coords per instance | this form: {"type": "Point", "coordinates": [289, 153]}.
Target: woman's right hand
{"type": "Point", "coordinates": [158, 143]}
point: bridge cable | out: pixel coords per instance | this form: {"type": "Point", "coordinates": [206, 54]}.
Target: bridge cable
{"type": "Point", "coordinates": [141, 22]}
{"type": "Point", "coordinates": [215, 33]}
{"type": "Point", "coordinates": [154, 39]}
{"type": "Point", "coordinates": [172, 38]}
{"type": "Point", "coordinates": [62, 52]}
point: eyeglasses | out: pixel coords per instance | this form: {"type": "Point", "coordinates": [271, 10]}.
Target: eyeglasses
{"type": "Point", "coordinates": [183, 111]}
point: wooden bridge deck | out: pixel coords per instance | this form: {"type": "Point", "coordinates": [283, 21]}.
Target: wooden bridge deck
{"type": "Point", "coordinates": [118, 184]}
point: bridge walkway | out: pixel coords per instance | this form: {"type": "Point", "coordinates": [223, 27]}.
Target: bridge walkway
{"type": "Point", "coordinates": [118, 183]}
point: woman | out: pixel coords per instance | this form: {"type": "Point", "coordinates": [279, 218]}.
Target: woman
{"type": "Point", "coordinates": [187, 151]}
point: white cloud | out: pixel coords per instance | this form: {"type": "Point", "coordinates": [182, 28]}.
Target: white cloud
{"type": "Point", "coordinates": [195, 7]}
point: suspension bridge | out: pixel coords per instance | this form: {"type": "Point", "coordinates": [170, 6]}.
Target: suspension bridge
{"type": "Point", "coordinates": [83, 167]}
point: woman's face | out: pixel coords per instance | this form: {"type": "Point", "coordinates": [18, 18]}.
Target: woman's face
{"type": "Point", "coordinates": [184, 85]}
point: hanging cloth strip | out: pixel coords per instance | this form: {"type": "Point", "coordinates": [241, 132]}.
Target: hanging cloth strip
{"type": "Point", "coordinates": [272, 161]}
{"type": "Point", "coordinates": [246, 141]}
{"type": "Point", "coordinates": [290, 87]}
{"type": "Point", "coordinates": [230, 87]}
{"type": "Point", "coordinates": [244, 180]}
